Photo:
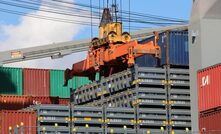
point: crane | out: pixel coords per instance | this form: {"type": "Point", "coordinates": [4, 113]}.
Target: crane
{"type": "Point", "coordinates": [112, 52]}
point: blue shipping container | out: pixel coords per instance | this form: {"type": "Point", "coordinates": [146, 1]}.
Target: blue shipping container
{"type": "Point", "coordinates": [178, 50]}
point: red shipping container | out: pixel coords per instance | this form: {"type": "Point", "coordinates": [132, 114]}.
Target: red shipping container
{"type": "Point", "coordinates": [36, 82]}
{"type": "Point", "coordinates": [12, 118]}
{"type": "Point", "coordinates": [44, 100]}
{"type": "Point", "coordinates": [209, 88]}
{"type": "Point", "coordinates": [13, 102]}
{"type": "Point", "coordinates": [64, 101]}
{"type": "Point", "coordinates": [210, 122]}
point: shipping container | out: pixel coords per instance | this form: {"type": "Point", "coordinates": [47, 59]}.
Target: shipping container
{"type": "Point", "coordinates": [210, 123]}
{"type": "Point", "coordinates": [36, 100]}
{"type": "Point", "coordinates": [12, 118]}
{"type": "Point", "coordinates": [178, 52]}
{"type": "Point", "coordinates": [12, 102]}
{"type": "Point", "coordinates": [57, 82]}
{"type": "Point", "coordinates": [209, 88]}
{"type": "Point", "coordinates": [80, 81]}
{"type": "Point", "coordinates": [11, 81]}
{"type": "Point", "coordinates": [36, 82]}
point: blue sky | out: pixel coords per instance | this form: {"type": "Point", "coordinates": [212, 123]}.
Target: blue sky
{"type": "Point", "coordinates": [168, 8]}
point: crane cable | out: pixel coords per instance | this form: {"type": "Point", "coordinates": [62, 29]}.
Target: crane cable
{"type": "Point", "coordinates": [84, 10]}
{"type": "Point", "coordinates": [91, 20]}
{"type": "Point", "coordinates": [129, 16]}
{"type": "Point", "coordinates": [56, 12]}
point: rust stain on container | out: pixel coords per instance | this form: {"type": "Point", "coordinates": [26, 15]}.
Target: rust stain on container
{"type": "Point", "coordinates": [209, 88]}
{"type": "Point", "coordinates": [36, 82]}
{"type": "Point", "coordinates": [64, 101]}
{"type": "Point", "coordinates": [11, 118]}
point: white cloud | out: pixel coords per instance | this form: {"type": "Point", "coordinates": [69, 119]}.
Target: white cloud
{"type": "Point", "coordinates": [35, 32]}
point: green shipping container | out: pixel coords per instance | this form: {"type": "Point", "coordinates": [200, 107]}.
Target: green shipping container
{"type": "Point", "coordinates": [57, 81]}
{"type": "Point", "coordinates": [11, 81]}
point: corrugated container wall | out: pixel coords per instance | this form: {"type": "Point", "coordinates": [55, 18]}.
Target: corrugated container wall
{"type": "Point", "coordinates": [209, 88]}
{"type": "Point", "coordinates": [210, 121]}
{"type": "Point", "coordinates": [12, 102]}
{"type": "Point", "coordinates": [36, 82]}
{"type": "Point", "coordinates": [57, 82]}
{"type": "Point", "coordinates": [13, 118]}
{"type": "Point", "coordinates": [11, 81]}
{"type": "Point", "coordinates": [178, 50]}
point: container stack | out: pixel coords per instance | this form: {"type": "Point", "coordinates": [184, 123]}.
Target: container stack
{"type": "Point", "coordinates": [149, 92]}
{"type": "Point", "coordinates": [13, 121]}
{"type": "Point", "coordinates": [179, 98]}
{"type": "Point", "coordinates": [106, 87]}
{"type": "Point", "coordinates": [160, 97]}
{"type": "Point", "coordinates": [25, 87]}
{"type": "Point", "coordinates": [209, 100]}
{"type": "Point", "coordinates": [158, 90]}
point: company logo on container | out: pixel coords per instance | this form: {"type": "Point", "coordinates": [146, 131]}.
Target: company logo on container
{"type": "Point", "coordinates": [205, 80]}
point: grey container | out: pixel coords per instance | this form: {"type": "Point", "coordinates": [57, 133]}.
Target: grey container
{"type": "Point", "coordinates": [151, 131]}
{"type": "Point", "coordinates": [120, 117]}
{"type": "Point", "coordinates": [120, 131]}
{"type": "Point", "coordinates": [179, 77]}
{"type": "Point", "coordinates": [91, 116]}
{"type": "Point", "coordinates": [151, 117]}
{"type": "Point", "coordinates": [53, 114]}
{"type": "Point", "coordinates": [87, 130]}
{"type": "Point", "coordinates": [53, 130]}
{"type": "Point", "coordinates": [106, 86]}
{"type": "Point", "coordinates": [145, 77]}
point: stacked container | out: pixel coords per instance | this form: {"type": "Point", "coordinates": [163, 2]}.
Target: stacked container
{"type": "Point", "coordinates": [164, 90]}
{"type": "Point", "coordinates": [209, 100]}
{"type": "Point", "coordinates": [178, 90]}
{"type": "Point", "coordinates": [16, 121]}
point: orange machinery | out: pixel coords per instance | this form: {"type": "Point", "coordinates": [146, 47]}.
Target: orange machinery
{"type": "Point", "coordinates": [113, 52]}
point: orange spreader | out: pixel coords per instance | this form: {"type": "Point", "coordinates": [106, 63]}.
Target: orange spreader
{"type": "Point", "coordinates": [112, 58]}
